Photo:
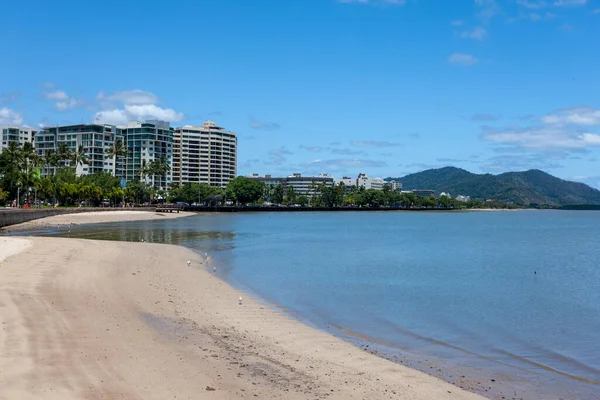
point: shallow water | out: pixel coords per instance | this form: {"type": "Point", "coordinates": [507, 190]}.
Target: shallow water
{"type": "Point", "coordinates": [509, 296]}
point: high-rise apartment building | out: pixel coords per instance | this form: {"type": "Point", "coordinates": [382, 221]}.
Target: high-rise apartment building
{"type": "Point", "coordinates": [146, 142]}
{"type": "Point", "coordinates": [206, 154]}
{"type": "Point", "coordinates": [16, 134]}
{"type": "Point", "coordinates": [94, 139]}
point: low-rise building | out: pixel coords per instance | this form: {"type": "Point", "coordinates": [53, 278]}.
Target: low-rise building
{"type": "Point", "coordinates": [369, 183]}
{"type": "Point", "coordinates": [302, 185]}
{"type": "Point", "coordinates": [463, 198]}
{"type": "Point", "coordinates": [15, 134]}
{"type": "Point", "coordinates": [395, 186]}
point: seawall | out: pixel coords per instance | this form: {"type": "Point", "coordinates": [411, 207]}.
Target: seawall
{"type": "Point", "coordinates": [12, 216]}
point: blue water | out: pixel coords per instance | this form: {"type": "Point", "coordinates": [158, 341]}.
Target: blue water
{"type": "Point", "coordinates": [510, 294]}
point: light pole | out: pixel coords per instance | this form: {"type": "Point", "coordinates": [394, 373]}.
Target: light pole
{"type": "Point", "coordinates": [18, 193]}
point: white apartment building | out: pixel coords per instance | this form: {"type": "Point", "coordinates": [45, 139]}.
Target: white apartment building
{"type": "Point", "coordinates": [307, 185]}
{"type": "Point", "coordinates": [16, 134]}
{"type": "Point", "coordinates": [205, 154]}
{"type": "Point", "coordinates": [302, 185]}
{"type": "Point", "coordinates": [94, 138]}
{"type": "Point", "coordinates": [395, 186]}
{"type": "Point", "coordinates": [146, 142]}
{"type": "Point", "coordinates": [369, 183]}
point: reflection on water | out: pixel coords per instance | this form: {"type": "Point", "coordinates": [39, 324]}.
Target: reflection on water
{"type": "Point", "coordinates": [512, 294]}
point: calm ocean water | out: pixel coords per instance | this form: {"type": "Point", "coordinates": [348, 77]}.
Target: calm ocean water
{"type": "Point", "coordinates": [512, 296]}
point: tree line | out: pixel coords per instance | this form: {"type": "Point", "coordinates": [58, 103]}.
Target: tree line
{"type": "Point", "coordinates": [20, 177]}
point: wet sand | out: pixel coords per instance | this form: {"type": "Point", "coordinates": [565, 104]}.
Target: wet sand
{"type": "Point", "coordinates": [94, 319]}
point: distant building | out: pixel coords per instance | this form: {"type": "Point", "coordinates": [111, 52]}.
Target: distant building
{"type": "Point", "coordinates": [303, 185]}
{"type": "Point", "coordinates": [15, 134]}
{"type": "Point", "coordinates": [444, 194]}
{"type": "Point", "coordinates": [421, 193]}
{"type": "Point", "coordinates": [369, 183]}
{"type": "Point", "coordinates": [306, 185]}
{"type": "Point", "coordinates": [206, 154]}
{"type": "Point", "coordinates": [395, 186]}
{"type": "Point", "coordinates": [347, 181]}
{"type": "Point", "coordinates": [463, 198]}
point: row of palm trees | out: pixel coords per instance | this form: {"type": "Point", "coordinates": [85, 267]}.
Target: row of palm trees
{"type": "Point", "coordinates": [28, 160]}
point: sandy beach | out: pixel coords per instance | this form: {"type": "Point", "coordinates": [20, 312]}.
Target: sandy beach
{"type": "Point", "coordinates": [95, 217]}
{"type": "Point", "coordinates": [93, 319]}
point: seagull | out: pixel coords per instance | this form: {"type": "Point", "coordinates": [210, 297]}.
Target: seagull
{"type": "Point", "coordinates": [142, 240]}
{"type": "Point", "coordinates": [189, 262]}
{"type": "Point", "coordinates": [214, 269]}
{"type": "Point", "coordinates": [240, 300]}
{"type": "Point", "coordinates": [205, 254]}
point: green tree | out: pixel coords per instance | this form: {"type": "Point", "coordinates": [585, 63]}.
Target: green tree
{"type": "Point", "coordinates": [79, 157]}
{"type": "Point", "coordinates": [115, 152]}
{"type": "Point", "coordinates": [245, 190]}
{"type": "Point", "coordinates": [290, 195]}
{"type": "Point", "coordinates": [302, 200]}
{"type": "Point", "coordinates": [277, 195]}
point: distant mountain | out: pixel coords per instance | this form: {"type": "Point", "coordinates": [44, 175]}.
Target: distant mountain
{"type": "Point", "coordinates": [528, 187]}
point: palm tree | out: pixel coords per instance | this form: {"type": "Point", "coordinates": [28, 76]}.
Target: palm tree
{"type": "Point", "coordinates": [64, 152]}
{"type": "Point", "coordinates": [79, 157]}
{"type": "Point", "coordinates": [28, 156]}
{"type": "Point", "coordinates": [158, 168]}
{"type": "Point", "coordinates": [144, 170]}
{"type": "Point", "coordinates": [118, 149]}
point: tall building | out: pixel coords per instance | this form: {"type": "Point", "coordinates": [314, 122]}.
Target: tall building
{"type": "Point", "coordinates": [94, 138]}
{"type": "Point", "coordinates": [206, 154]}
{"type": "Point", "coordinates": [16, 134]}
{"type": "Point", "coordinates": [146, 142]}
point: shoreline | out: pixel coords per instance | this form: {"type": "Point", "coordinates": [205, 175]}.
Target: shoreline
{"type": "Point", "coordinates": [149, 312]}
{"type": "Point", "coordinates": [92, 217]}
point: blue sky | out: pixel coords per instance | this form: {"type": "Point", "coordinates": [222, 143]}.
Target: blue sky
{"type": "Point", "coordinates": [385, 87]}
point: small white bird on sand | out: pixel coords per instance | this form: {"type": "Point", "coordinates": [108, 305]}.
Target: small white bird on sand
{"type": "Point", "coordinates": [189, 262]}
{"type": "Point", "coordinates": [214, 269]}
{"type": "Point", "coordinates": [240, 300]}
{"type": "Point", "coordinates": [205, 254]}
{"type": "Point", "coordinates": [142, 240]}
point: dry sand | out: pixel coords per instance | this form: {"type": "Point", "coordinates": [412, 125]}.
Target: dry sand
{"type": "Point", "coordinates": [95, 217]}
{"type": "Point", "coordinates": [84, 319]}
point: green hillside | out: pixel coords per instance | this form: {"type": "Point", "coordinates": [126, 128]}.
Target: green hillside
{"type": "Point", "coordinates": [528, 187]}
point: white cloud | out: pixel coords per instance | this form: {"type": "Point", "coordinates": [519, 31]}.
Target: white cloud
{"type": "Point", "coordinates": [263, 125]}
{"type": "Point", "coordinates": [487, 9]}
{"type": "Point", "coordinates": [111, 117]}
{"type": "Point", "coordinates": [532, 4]}
{"type": "Point", "coordinates": [457, 22]}
{"type": "Point", "coordinates": [393, 2]}
{"type": "Point", "coordinates": [137, 105]}
{"type": "Point", "coordinates": [373, 143]}
{"type": "Point", "coordinates": [62, 100]}
{"type": "Point", "coordinates": [585, 116]}
{"type": "Point", "coordinates": [462, 59]}
{"type": "Point", "coordinates": [151, 111]}
{"type": "Point", "coordinates": [478, 33]}
{"type": "Point", "coordinates": [545, 137]}
{"type": "Point", "coordinates": [570, 3]}
{"type": "Point", "coordinates": [134, 96]}
{"type": "Point", "coordinates": [341, 164]}
{"type": "Point", "coordinates": [137, 112]}
{"type": "Point", "coordinates": [10, 117]}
